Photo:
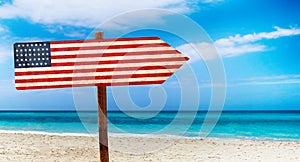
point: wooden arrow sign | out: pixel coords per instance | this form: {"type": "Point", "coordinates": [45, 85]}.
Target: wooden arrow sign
{"type": "Point", "coordinates": [100, 62]}
{"type": "Point", "coordinates": [105, 62]}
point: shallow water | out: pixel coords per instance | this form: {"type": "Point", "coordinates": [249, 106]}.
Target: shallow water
{"type": "Point", "coordinates": [283, 125]}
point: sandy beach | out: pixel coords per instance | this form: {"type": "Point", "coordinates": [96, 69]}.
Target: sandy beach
{"type": "Point", "coordinates": [48, 147]}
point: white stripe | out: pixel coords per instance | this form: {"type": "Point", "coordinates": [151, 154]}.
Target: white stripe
{"type": "Point", "coordinates": [156, 71]}
{"type": "Point", "coordinates": [92, 44]}
{"type": "Point", "coordinates": [91, 81]}
{"type": "Point", "coordinates": [121, 58]}
{"type": "Point", "coordinates": [61, 53]}
{"type": "Point", "coordinates": [78, 67]}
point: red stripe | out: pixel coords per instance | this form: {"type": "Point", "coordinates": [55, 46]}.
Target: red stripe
{"type": "Point", "coordinates": [120, 61]}
{"type": "Point", "coordinates": [112, 77]}
{"type": "Point", "coordinates": [99, 84]}
{"type": "Point", "coordinates": [109, 47]}
{"type": "Point", "coordinates": [116, 54]}
{"type": "Point", "coordinates": [96, 70]}
{"type": "Point", "coordinates": [105, 40]}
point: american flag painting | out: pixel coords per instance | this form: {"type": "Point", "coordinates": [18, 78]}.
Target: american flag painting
{"type": "Point", "coordinates": [105, 62]}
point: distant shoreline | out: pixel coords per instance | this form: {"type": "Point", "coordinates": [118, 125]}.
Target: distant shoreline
{"type": "Point", "coordinates": [202, 111]}
{"type": "Point", "coordinates": [159, 136]}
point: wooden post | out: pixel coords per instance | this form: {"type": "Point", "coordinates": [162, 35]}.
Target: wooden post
{"type": "Point", "coordinates": [102, 117]}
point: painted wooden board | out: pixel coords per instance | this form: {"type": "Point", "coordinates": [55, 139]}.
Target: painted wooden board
{"type": "Point", "coordinates": [105, 62]}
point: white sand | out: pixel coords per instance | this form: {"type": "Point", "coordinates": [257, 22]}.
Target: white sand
{"type": "Point", "coordinates": [42, 147]}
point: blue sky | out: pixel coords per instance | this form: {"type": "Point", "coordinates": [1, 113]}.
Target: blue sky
{"type": "Point", "coordinates": [257, 41]}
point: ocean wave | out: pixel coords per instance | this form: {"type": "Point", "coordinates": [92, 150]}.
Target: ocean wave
{"type": "Point", "coordinates": [219, 137]}
{"type": "Point", "coordinates": [47, 133]}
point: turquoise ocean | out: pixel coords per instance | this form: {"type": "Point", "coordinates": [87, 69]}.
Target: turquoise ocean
{"type": "Point", "coordinates": [257, 125]}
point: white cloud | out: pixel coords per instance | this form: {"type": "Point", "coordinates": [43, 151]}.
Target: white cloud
{"type": "Point", "coordinates": [234, 45]}
{"type": "Point", "coordinates": [211, 1]}
{"type": "Point", "coordinates": [253, 81]}
{"type": "Point", "coordinates": [235, 50]}
{"type": "Point", "coordinates": [81, 13]}
{"type": "Point", "coordinates": [267, 80]}
{"type": "Point", "coordinates": [199, 51]}
{"type": "Point", "coordinates": [237, 45]}
{"type": "Point", "coordinates": [136, 18]}
{"type": "Point", "coordinates": [280, 32]}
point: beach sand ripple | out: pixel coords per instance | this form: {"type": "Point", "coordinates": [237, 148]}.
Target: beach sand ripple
{"type": "Point", "coordinates": [47, 147]}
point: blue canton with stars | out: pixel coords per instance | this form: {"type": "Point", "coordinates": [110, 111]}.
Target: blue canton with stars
{"type": "Point", "coordinates": [35, 54]}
